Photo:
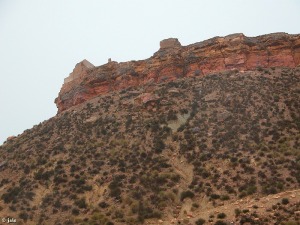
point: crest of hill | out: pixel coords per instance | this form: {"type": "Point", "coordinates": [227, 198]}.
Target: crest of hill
{"type": "Point", "coordinates": [173, 61]}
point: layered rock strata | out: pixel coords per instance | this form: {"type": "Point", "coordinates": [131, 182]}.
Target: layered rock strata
{"type": "Point", "coordinates": [173, 61]}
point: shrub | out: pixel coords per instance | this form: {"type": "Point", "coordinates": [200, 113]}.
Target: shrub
{"type": "Point", "coordinates": [285, 201]}
{"type": "Point", "coordinates": [225, 197]}
{"type": "Point", "coordinates": [215, 196]}
{"type": "Point", "coordinates": [23, 216]}
{"type": "Point", "coordinates": [12, 194]}
{"type": "Point", "coordinates": [197, 72]}
{"type": "Point", "coordinates": [81, 203]}
{"type": "Point", "coordinates": [159, 145]}
{"type": "Point", "coordinates": [57, 204]}
{"type": "Point", "coordinates": [200, 221]}
{"type": "Point", "coordinates": [116, 192]}
{"type": "Point", "coordinates": [41, 175]}
{"type": "Point", "coordinates": [75, 211]}
{"type": "Point", "coordinates": [220, 222]}
{"type": "Point", "coordinates": [186, 194]}
{"type": "Point", "coordinates": [109, 223]}
{"type": "Point", "coordinates": [291, 222]}
{"type": "Point", "coordinates": [171, 115]}
{"type": "Point", "coordinates": [237, 212]}
{"type": "Point", "coordinates": [221, 215]}
{"type": "Point", "coordinates": [114, 186]}
{"type": "Point", "coordinates": [195, 205]}
{"type": "Point", "coordinates": [46, 200]}
{"type": "Point", "coordinates": [103, 205]}
{"type": "Point", "coordinates": [259, 68]}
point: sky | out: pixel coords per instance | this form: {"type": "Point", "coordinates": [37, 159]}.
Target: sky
{"type": "Point", "coordinates": [41, 41]}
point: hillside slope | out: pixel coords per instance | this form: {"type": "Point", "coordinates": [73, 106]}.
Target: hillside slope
{"type": "Point", "coordinates": [223, 147]}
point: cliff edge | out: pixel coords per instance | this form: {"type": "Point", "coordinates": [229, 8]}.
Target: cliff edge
{"type": "Point", "coordinates": [174, 61]}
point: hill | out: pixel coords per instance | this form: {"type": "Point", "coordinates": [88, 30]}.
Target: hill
{"type": "Point", "coordinates": [221, 147]}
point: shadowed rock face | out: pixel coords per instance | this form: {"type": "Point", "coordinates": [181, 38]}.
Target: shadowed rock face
{"type": "Point", "coordinates": [173, 61]}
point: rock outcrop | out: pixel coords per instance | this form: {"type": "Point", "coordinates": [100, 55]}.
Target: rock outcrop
{"type": "Point", "coordinates": [80, 71]}
{"type": "Point", "coordinates": [170, 43]}
{"type": "Point", "coordinates": [174, 61]}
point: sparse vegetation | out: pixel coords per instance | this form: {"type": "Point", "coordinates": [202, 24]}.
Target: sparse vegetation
{"type": "Point", "coordinates": [223, 137]}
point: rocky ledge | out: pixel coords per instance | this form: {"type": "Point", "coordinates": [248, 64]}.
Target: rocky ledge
{"type": "Point", "coordinates": [174, 61]}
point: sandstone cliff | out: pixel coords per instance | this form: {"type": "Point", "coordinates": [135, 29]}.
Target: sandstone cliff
{"type": "Point", "coordinates": [173, 61]}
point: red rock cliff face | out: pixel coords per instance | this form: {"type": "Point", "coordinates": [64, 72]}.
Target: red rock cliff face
{"type": "Point", "coordinates": [174, 61]}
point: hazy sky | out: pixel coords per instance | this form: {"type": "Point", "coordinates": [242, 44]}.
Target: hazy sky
{"type": "Point", "coordinates": [41, 41]}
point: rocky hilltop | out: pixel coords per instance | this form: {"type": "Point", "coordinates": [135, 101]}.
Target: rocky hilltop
{"type": "Point", "coordinates": [173, 61]}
